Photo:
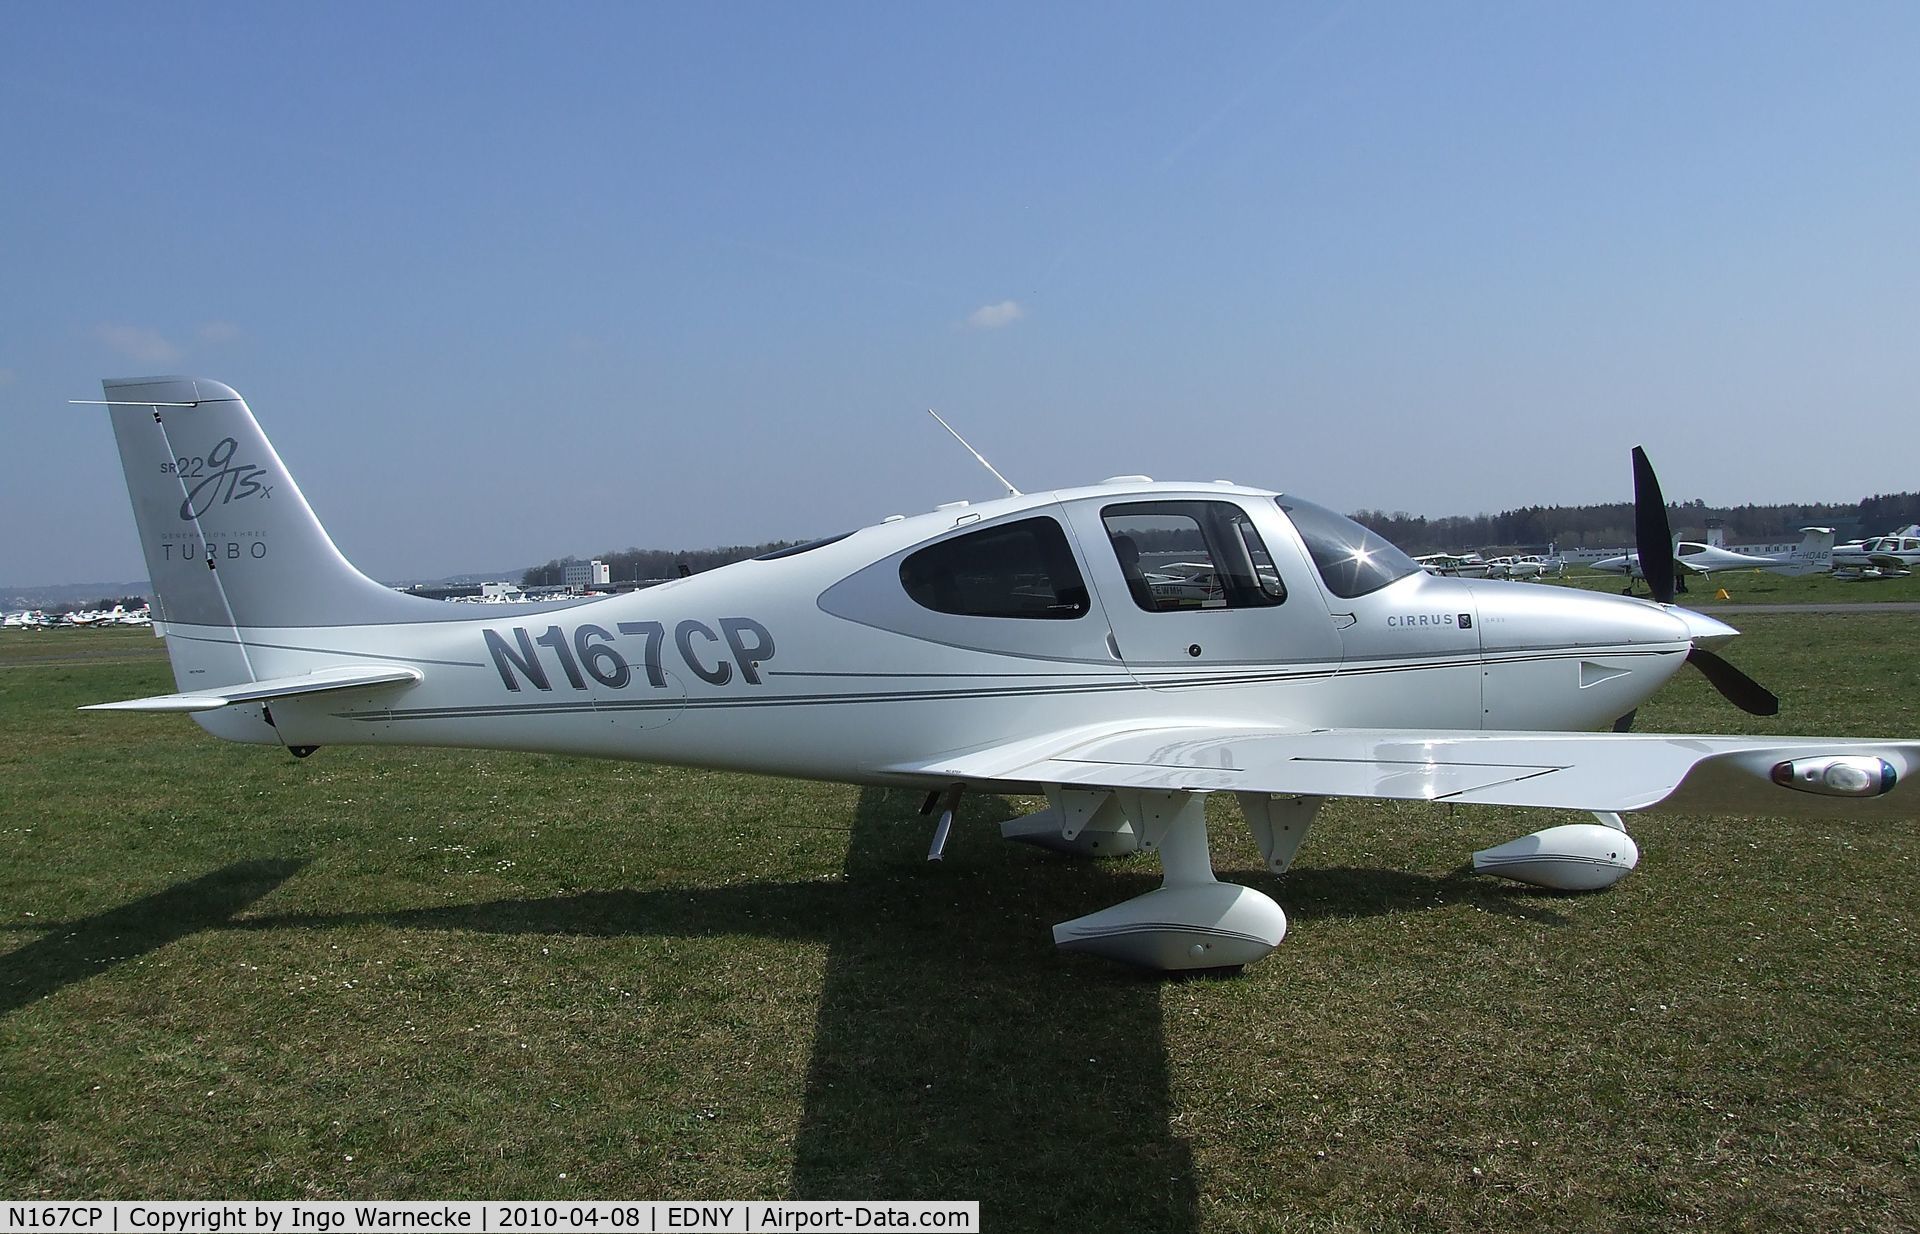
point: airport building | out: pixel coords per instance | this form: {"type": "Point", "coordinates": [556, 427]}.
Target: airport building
{"type": "Point", "coordinates": [585, 574]}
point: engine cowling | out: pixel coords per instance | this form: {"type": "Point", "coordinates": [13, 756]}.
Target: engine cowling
{"type": "Point", "coordinates": [1574, 857]}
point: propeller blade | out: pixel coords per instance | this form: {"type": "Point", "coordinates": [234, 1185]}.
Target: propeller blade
{"type": "Point", "coordinates": [1652, 535]}
{"type": "Point", "coordinates": [1735, 686]}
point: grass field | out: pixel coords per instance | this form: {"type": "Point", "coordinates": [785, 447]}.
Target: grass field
{"type": "Point", "coordinates": [383, 973]}
{"type": "Point", "coordinates": [1760, 587]}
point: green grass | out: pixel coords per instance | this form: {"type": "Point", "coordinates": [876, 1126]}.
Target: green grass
{"type": "Point", "coordinates": [1760, 587]}
{"type": "Point", "coordinates": [428, 973]}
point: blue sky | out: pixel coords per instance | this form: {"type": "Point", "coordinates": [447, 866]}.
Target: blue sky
{"type": "Point", "coordinates": [504, 283]}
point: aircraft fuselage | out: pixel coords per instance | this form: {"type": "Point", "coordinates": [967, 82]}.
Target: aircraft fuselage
{"type": "Point", "coordinates": [822, 664]}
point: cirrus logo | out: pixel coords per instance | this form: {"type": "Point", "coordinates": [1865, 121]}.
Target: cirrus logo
{"type": "Point", "coordinates": [1420, 619]}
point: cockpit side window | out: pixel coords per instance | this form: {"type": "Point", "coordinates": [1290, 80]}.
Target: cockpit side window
{"type": "Point", "coordinates": [1179, 555]}
{"type": "Point", "coordinates": [1352, 560]}
{"type": "Point", "coordinates": [1022, 569]}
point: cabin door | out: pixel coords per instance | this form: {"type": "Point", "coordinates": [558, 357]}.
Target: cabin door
{"type": "Point", "coordinates": [1206, 593]}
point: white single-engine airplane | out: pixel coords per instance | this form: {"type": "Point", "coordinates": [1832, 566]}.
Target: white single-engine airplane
{"type": "Point", "coordinates": [1813, 555]}
{"type": "Point", "coordinates": [1888, 556]}
{"type": "Point", "coordinates": [1010, 646]}
{"type": "Point", "coordinates": [1453, 565]}
{"type": "Point", "coordinates": [1528, 566]}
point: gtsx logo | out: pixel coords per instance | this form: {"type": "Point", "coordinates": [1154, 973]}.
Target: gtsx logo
{"type": "Point", "coordinates": [216, 479]}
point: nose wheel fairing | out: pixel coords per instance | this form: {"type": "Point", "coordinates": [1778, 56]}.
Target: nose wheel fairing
{"type": "Point", "coordinates": [1571, 857]}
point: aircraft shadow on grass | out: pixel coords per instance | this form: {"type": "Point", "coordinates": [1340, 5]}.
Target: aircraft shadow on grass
{"type": "Point", "coordinates": [73, 951]}
{"type": "Point", "coordinates": [952, 1056]}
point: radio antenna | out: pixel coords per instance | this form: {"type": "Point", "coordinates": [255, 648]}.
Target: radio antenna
{"type": "Point", "coordinates": [1007, 484]}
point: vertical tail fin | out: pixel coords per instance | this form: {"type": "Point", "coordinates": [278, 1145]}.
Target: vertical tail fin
{"type": "Point", "coordinates": [229, 539]}
{"type": "Point", "coordinates": [1813, 555]}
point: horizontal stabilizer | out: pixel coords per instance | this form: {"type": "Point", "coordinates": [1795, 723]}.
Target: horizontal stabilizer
{"type": "Point", "coordinates": [320, 681]}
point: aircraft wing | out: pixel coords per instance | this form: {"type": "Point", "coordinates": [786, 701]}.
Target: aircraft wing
{"type": "Point", "coordinates": [1619, 772]}
{"type": "Point", "coordinates": [346, 677]}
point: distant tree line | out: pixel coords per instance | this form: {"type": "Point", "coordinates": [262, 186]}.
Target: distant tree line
{"type": "Point", "coordinates": [1888, 511]}
{"type": "Point", "coordinates": [636, 565]}
{"type": "Point", "coordinates": [1611, 525]}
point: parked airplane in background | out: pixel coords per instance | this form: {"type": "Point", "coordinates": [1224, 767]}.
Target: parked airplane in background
{"type": "Point", "coordinates": [1005, 647]}
{"type": "Point", "coordinates": [1500, 567]}
{"type": "Point", "coordinates": [1193, 583]}
{"type": "Point", "coordinates": [34, 619]}
{"type": "Point", "coordinates": [1889, 556]}
{"type": "Point", "coordinates": [118, 615]}
{"type": "Point", "coordinates": [1813, 555]}
{"type": "Point", "coordinates": [1470, 565]}
{"type": "Point", "coordinates": [1530, 566]}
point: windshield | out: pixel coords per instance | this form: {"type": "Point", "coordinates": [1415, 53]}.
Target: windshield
{"type": "Point", "coordinates": [1352, 560]}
